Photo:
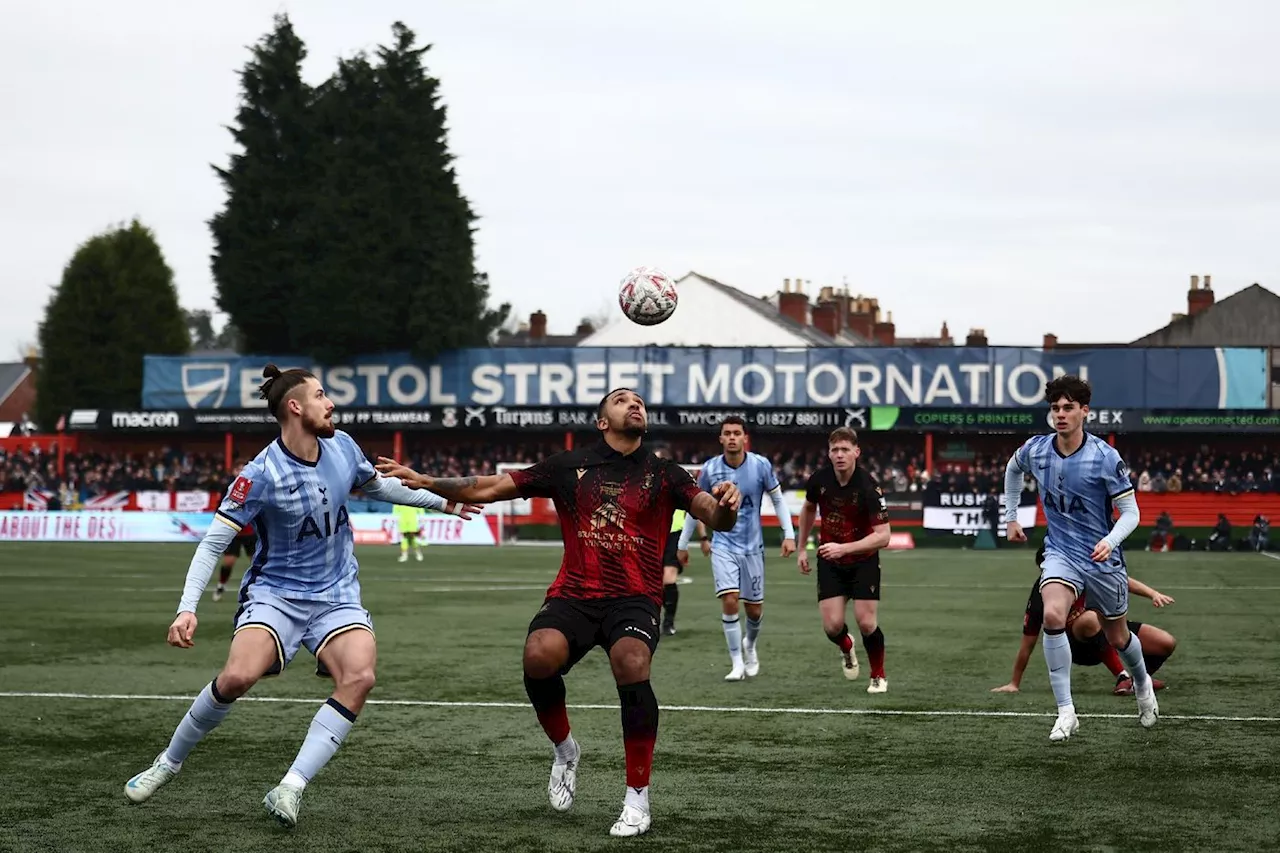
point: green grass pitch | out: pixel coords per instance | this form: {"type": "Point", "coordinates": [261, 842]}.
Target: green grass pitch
{"type": "Point", "coordinates": [450, 757]}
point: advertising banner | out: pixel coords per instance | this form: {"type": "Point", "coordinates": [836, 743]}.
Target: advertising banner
{"type": "Point", "coordinates": [367, 528]}
{"type": "Point", "coordinates": [962, 512]}
{"type": "Point", "coordinates": [818, 377]}
{"type": "Point", "coordinates": [559, 419]}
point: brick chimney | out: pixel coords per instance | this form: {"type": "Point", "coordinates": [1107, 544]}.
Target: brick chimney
{"type": "Point", "coordinates": [1198, 298]}
{"type": "Point", "coordinates": [793, 303]}
{"type": "Point", "coordinates": [976, 338]}
{"type": "Point", "coordinates": [537, 326]}
{"type": "Point", "coordinates": [885, 333]}
{"type": "Point", "coordinates": [1050, 340]}
{"type": "Point", "coordinates": [826, 318]}
{"type": "Point", "coordinates": [585, 328]}
{"type": "Point", "coordinates": [861, 319]}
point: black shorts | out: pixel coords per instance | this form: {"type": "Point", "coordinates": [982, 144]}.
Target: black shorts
{"type": "Point", "coordinates": [859, 581]}
{"type": "Point", "coordinates": [241, 545]}
{"type": "Point", "coordinates": [1090, 653]}
{"type": "Point", "coordinates": [598, 622]}
{"type": "Point", "coordinates": [670, 554]}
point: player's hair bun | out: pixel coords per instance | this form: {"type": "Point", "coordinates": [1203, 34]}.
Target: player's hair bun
{"type": "Point", "coordinates": [270, 371]}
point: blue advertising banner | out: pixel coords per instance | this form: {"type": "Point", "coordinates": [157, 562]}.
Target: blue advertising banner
{"type": "Point", "coordinates": [987, 377]}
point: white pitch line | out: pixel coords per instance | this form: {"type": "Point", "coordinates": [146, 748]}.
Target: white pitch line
{"type": "Point", "coordinates": [703, 709]}
{"type": "Point", "coordinates": [1268, 554]}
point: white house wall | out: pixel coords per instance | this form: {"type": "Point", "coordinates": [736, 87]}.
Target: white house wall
{"type": "Point", "coordinates": [705, 316]}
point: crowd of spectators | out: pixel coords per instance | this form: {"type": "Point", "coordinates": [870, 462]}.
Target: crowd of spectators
{"type": "Point", "coordinates": [1202, 468]}
{"type": "Point", "coordinates": [92, 474]}
{"type": "Point", "coordinates": [898, 466]}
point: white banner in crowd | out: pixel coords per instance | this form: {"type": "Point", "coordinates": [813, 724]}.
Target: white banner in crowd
{"type": "Point", "coordinates": [963, 512]}
{"type": "Point", "coordinates": [368, 528]}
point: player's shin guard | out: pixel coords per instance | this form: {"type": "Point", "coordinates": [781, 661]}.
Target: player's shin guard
{"type": "Point", "coordinates": [209, 709]}
{"type": "Point", "coordinates": [547, 697]}
{"type": "Point", "coordinates": [1057, 654]}
{"type": "Point", "coordinates": [874, 644]}
{"type": "Point", "coordinates": [639, 732]}
{"type": "Point", "coordinates": [733, 637]}
{"type": "Point", "coordinates": [329, 728]}
{"type": "Point", "coordinates": [670, 600]}
{"type": "Point", "coordinates": [1131, 654]}
{"type": "Point", "coordinates": [842, 639]}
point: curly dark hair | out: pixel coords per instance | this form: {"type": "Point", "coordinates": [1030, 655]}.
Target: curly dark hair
{"type": "Point", "coordinates": [1073, 388]}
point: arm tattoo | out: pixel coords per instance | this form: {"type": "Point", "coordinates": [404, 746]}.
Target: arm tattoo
{"type": "Point", "coordinates": [454, 483]}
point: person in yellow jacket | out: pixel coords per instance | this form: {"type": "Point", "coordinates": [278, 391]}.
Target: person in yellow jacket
{"type": "Point", "coordinates": [409, 519]}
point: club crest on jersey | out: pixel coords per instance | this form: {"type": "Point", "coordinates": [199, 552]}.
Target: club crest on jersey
{"type": "Point", "coordinates": [240, 491]}
{"type": "Point", "coordinates": [609, 513]}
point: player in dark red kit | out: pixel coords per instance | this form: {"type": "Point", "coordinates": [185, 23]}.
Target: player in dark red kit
{"type": "Point", "coordinates": [1088, 642]}
{"type": "Point", "coordinates": [855, 526]}
{"type": "Point", "coordinates": [615, 500]}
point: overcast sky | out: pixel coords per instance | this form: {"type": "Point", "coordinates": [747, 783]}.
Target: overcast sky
{"type": "Point", "coordinates": [1022, 167]}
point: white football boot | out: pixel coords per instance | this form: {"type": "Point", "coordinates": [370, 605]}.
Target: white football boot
{"type": "Point", "coordinates": [141, 787]}
{"type": "Point", "coordinates": [849, 664]}
{"type": "Point", "coordinates": [751, 662]}
{"type": "Point", "coordinates": [564, 783]}
{"type": "Point", "coordinates": [283, 802]}
{"type": "Point", "coordinates": [1066, 725]}
{"type": "Point", "coordinates": [632, 821]}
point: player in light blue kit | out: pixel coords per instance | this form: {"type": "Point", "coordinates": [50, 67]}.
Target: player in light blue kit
{"type": "Point", "coordinates": [737, 557]}
{"type": "Point", "coordinates": [301, 588]}
{"type": "Point", "coordinates": [1082, 481]}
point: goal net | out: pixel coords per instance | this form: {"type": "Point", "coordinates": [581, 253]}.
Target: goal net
{"type": "Point", "coordinates": [508, 512]}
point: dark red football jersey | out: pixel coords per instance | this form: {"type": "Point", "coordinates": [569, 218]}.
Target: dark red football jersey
{"type": "Point", "coordinates": [615, 514]}
{"type": "Point", "coordinates": [849, 512]}
{"type": "Point", "coordinates": [1033, 620]}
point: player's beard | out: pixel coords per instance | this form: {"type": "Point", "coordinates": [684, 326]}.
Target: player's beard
{"type": "Point", "coordinates": [322, 427]}
{"type": "Point", "coordinates": [631, 428]}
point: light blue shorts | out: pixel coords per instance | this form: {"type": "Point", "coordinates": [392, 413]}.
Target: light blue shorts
{"type": "Point", "coordinates": [1104, 591]}
{"type": "Point", "coordinates": [295, 623]}
{"type": "Point", "coordinates": [740, 573]}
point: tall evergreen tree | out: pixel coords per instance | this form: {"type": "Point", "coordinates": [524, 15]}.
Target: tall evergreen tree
{"type": "Point", "coordinates": [116, 303]}
{"type": "Point", "coordinates": [345, 231]}
{"type": "Point", "coordinates": [433, 262]}
{"type": "Point", "coordinates": [260, 262]}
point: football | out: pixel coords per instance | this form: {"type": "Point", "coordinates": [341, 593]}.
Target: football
{"type": "Point", "coordinates": [647, 296]}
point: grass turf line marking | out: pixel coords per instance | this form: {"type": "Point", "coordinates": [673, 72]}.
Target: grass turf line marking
{"type": "Point", "coordinates": [704, 709]}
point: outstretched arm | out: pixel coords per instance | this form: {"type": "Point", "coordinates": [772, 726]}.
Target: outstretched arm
{"type": "Point", "coordinates": [477, 490]}
{"type": "Point", "coordinates": [393, 490]}
{"type": "Point", "coordinates": [1159, 599]}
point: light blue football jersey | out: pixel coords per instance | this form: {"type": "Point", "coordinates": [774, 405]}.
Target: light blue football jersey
{"type": "Point", "coordinates": [754, 477]}
{"type": "Point", "coordinates": [1079, 493]}
{"type": "Point", "coordinates": [299, 511]}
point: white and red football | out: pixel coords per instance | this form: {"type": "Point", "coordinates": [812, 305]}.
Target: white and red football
{"type": "Point", "coordinates": [647, 296]}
